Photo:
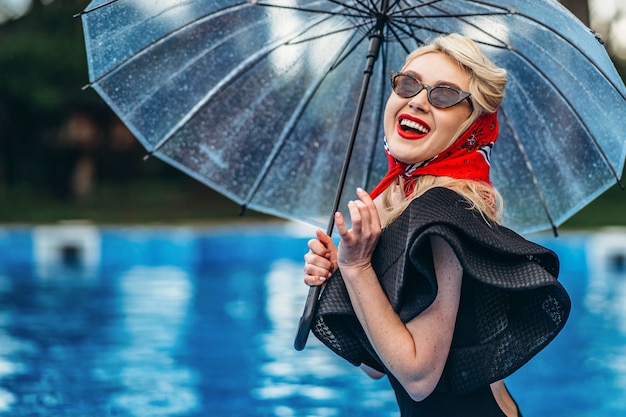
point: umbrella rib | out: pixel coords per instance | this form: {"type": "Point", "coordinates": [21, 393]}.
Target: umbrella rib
{"type": "Point", "coordinates": [309, 10]}
{"type": "Point", "coordinates": [392, 28]}
{"type": "Point", "coordinates": [190, 63]}
{"type": "Point", "coordinates": [288, 128]}
{"type": "Point", "coordinates": [444, 13]}
{"type": "Point", "coordinates": [346, 53]}
{"type": "Point", "coordinates": [580, 120]}
{"type": "Point", "coordinates": [558, 91]}
{"type": "Point", "coordinates": [459, 16]}
{"type": "Point", "coordinates": [175, 6]}
{"type": "Point", "coordinates": [239, 69]}
{"type": "Point", "coordinates": [381, 105]}
{"type": "Point", "coordinates": [572, 44]}
{"type": "Point", "coordinates": [406, 22]}
{"type": "Point", "coordinates": [448, 15]}
{"type": "Point", "coordinates": [412, 34]}
{"type": "Point", "coordinates": [522, 149]}
{"type": "Point", "coordinates": [369, 5]}
{"type": "Point", "coordinates": [364, 10]}
{"type": "Point", "coordinates": [289, 42]}
{"type": "Point", "coordinates": [405, 19]}
{"type": "Point", "coordinates": [140, 52]}
{"type": "Point", "coordinates": [100, 6]}
{"type": "Point", "coordinates": [570, 105]}
{"type": "Point", "coordinates": [394, 6]}
{"type": "Point", "coordinates": [334, 32]}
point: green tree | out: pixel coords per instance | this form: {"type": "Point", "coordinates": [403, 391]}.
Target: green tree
{"type": "Point", "coordinates": [580, 8]}
{"type": "Point", "coordinates": [42, 66]}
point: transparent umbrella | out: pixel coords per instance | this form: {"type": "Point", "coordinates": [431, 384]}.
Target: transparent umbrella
{"type": "Point", "coordinates": [266, 101]}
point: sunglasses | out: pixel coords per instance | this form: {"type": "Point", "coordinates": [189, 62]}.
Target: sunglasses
{"type": "Point", "coordinates": [440, 96]}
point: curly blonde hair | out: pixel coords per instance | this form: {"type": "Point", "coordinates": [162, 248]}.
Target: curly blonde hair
{"type": "Point", "coordinates": [487, 83]}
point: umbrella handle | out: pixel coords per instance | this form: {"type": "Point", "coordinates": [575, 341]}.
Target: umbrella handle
{"type": "Point", "coordinates": [306, 320]}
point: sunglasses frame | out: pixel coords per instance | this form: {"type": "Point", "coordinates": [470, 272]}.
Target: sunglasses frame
{"type": "Point", "coordinates": [463, 95]}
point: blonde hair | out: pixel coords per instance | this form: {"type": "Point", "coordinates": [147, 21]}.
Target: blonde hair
{"type": "Point", "coordinates": [481, 196]}
{"type": "Point", "coordinates": [487, 83]}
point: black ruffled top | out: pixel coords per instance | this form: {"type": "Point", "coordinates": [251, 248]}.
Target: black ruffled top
{"type": "Point", "coordinates": [512, 305]}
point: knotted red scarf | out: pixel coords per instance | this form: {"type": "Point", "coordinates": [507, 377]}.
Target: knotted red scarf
{"type": "Point", "coordinates": [467, 158]}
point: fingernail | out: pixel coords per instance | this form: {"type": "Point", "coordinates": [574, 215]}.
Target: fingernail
{"type": "Point", "coordinates": [322, 279]}
{"type": "Point", "coordinates": [359, 190]}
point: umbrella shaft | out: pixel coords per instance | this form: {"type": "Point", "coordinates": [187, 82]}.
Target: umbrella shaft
{"type": "Point", "coordinates": [372, 55]}
{"type": "Point", "coordinates": [306, 320]}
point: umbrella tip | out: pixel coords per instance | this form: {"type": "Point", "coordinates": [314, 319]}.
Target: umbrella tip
{"type": "Point", "coordinates": [597, 36]}
{"type": "Point", "coordinates": [556, 232]}
{"type": "Point", "coordinates": [242, 210]}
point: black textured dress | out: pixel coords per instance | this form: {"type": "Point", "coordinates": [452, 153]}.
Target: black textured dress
{"type": "Point", "coordinates": [511, 306]}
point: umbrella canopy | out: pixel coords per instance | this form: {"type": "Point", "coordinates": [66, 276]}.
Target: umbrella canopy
{"type": "Point", "coordinates": [258, 99]}
{"type": "Point", "coordinates": [264, 100]}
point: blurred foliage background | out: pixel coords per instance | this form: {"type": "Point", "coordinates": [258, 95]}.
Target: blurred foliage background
{"type": "Point", "coordinates": [65, 156]}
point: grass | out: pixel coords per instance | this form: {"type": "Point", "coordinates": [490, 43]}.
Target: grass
{"type": "Point", "coordinates": [183, 201]}
{"type": "Point", "coordinates": [172, 202]}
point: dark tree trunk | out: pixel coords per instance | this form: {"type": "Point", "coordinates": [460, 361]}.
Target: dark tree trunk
{"type": "Point", "coordinates": [580, 8]}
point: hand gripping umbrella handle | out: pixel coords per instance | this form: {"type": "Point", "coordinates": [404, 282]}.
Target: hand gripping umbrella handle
{"type": "Point", "coordinates": [306, 320]}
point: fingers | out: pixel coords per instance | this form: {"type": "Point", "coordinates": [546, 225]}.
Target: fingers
{"type": "Point", "coordinates": [314, 280]}
{"type": "Point", "coordinates": [358, 242]}
{"type": "Point", "coordinates": [317, 247]}
{"type": "Point", "coordinates": [318, 265]}
{"type": "Point", "coordinates": [372, 211]}
{"type": "Point", "coordinates": [326, 240]}
{"type": "Point", "coordinates": [364, 217]}
{"type": "Point", "coordinates": [316, 269]}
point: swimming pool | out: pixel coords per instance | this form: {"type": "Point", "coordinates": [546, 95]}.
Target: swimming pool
{"type": "Point", "coordinates": [200, 322]}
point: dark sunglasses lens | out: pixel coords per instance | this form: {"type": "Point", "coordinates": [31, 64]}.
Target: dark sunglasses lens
{"type": "Point", "coordinates": [406, 86]}
{"type": "Point", "coordinates": [444, 97]}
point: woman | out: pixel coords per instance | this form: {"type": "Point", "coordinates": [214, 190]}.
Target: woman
{"type": "Point", "coordinates": [425, 286]}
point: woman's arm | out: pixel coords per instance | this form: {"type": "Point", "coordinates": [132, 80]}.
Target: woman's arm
{"type": "Point", "coordinates": [415, 352]}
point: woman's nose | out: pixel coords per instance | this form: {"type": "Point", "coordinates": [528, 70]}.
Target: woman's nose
{"type": "Point", "coordinates": [420, 101]}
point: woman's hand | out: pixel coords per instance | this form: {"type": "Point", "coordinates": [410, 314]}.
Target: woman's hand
{"type": "Point", "coordinates": [320, 260]}
{"type": "Point", "coordinates": [358, 243]}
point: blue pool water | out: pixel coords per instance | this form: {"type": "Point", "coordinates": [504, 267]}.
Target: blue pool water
{"type": "Point", "coordinates": [200, 322]}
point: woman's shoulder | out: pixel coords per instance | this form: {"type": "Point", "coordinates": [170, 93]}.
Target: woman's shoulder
{"type": "Point", "coordinates": [449, 213]}
{"type": "Point", "coordinates": [440, 204]}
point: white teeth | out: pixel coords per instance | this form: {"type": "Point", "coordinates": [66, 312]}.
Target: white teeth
{"type": "Point", "coordinates": [413, 125]}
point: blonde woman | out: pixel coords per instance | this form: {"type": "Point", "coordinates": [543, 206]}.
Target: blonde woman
{"type": "Point", "coordinates": [426, 287]}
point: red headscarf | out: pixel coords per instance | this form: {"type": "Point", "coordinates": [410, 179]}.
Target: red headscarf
{"type": "Point", "coordinates": [467, 158]}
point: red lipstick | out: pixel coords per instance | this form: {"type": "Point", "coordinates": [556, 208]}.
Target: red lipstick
{"type": "Point", "coordinates": [411, 128]}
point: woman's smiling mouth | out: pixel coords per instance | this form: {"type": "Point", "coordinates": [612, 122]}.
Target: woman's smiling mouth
{"type": "Point", "coordinates": [412, 128]}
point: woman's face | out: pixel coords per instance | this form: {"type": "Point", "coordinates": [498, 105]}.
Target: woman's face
{"type": "Point", "coordinates": [416, 130]}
